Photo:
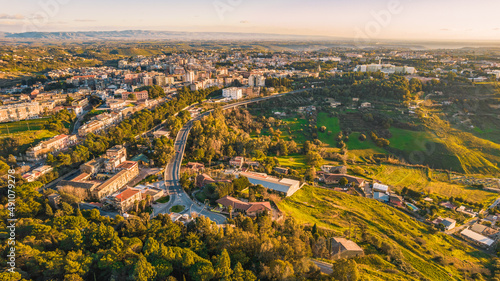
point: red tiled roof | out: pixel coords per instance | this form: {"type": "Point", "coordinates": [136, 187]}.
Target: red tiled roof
{"type": "Point", "coordinates": [127, 193]}
{"type": "Point", "coordinates": [240, 205]}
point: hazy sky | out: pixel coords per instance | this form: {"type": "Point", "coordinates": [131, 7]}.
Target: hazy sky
{"type": "Point", "coordinates": [375, 19]}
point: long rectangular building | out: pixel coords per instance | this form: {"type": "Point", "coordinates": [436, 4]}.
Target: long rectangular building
{"type": "Point", "coordinates": [19, 111]}
{"type": "Point", "coordinates": [284, 186]}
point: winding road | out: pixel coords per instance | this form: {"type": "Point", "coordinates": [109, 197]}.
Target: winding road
{"type": "Point", "coordinates": [172, 171]}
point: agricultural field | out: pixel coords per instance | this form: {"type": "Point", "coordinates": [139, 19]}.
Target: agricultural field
{"type": "Point", "coordinates": [418, 179]}
{"type": "Point", "coordinates": [440, 257]}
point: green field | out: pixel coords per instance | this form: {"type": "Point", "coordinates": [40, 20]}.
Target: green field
{"type": "Point", "coordinates": [418, 246]}
{"type": "Point", "coordinates": [355, 144]}
{"type": "Point", "coordinates": [332, 125]}
{"type": "Point", "coordinates": [293, 161]}
{"type": "Point", "coordinates": [417, 179]}
{"type": "Point", "coordinates": [407, 140]}
{"type": "Point", "coordinates": [22, 126]}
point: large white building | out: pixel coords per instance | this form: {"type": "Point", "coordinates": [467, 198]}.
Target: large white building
{"type": "Point", "coordinates": [232, 93]}
{"type": "Point", "coordinates": [286, 187]}
{"type": "Point", "coordinates": [386, 68]}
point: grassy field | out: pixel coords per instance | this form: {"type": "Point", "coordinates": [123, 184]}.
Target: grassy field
{"type": "Point", "coordinates": [417, 179]}
{"type": "Point", "coordinates": [410, 140]}
{"type": "Point", "coordinates": [419, 247]}
{"type": "Point", "coordinates": [355, 144]}
{"type": "Point", "coordinates": [293, 161]}
{"type": "Point", "coordinates": [332, 125]}
{"type": "Point", "coordinates": [476, 155]}
{"type": "Point", "coordinates": [22, 126]}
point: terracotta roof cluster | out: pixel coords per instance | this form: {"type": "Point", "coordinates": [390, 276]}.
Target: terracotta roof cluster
{"type": "Point", "coordinates": [244, 206]}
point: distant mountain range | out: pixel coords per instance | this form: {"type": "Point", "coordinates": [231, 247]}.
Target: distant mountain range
{"type": "Point", "coordinates": [155, 35]}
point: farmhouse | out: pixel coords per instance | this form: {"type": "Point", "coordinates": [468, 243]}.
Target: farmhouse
{"type": "Point", "coordinates": [343, 248]}
{"type": "Point", "coordinates": [334, 169]}
{"type": "Point", "coordinates": [335, 178]}
{"type": "Point", "coordinates": [250, 209]}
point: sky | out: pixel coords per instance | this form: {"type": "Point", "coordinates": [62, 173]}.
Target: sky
{"type": "Point", "coordinates": [361, 19]}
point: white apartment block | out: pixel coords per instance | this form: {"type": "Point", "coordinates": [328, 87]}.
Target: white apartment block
{"type": "Point", "coordinates": [232, 93]}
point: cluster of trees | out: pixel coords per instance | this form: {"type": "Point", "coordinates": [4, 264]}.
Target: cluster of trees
{"type": "Point", "coordinates": [219, 135]}
{"type": "Point", "coordinates": [60, 121]}
{"type": "Point", "coordinates": [70, 244]}
{"type": "Point", "coordinates": [313, 65]}
{"type": "Point", "coordinates": [278, 82]}
{"type": "Point", "coordinates": [380, 142]}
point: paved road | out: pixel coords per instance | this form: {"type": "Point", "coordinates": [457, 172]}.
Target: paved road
{"type": "Point", "coordinates": [172, 171]}
{"type": "Point", "coordinates": [323, 266]}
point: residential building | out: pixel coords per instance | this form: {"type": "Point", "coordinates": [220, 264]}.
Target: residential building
{"type": "Point", "coordinates": [92, 167]}
{"type": "Point", "coordinates": [256, 81]}
{"type": "Point", "coordinates": [233, 93]}
{"type": "Point", "coordinates": [116, 104]}
{"type": "Point", "coordinates": [334, 169]}
{"type": "Point", "coordinates": [197, 167]}
{"type": "Point", "coordinates": [55, 144]}
{"type": "Point", "coordinates": [396, 200]}
{"type": "Point", "coordinates": [19, 111]}
{"type": "Point", "coordinates": [190, 77]}
{"type": "Point", "coordinates": [448, 223]}
{"type": "Point", "coordinates": [250, 209]}
{"type": "Point", "coordinates": [237, 162]}
{"type": "Point", "coordinates": [382, 197]}
{"type": "Point", "coordinates": [335, 179]}
{"type": "Point", "coordinates": [54, 200]}
{"type": "Point", "coordinates": [342, 248]}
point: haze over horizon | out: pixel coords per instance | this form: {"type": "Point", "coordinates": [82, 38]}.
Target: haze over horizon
{"type": "Point", "coordinates": [376, 19]}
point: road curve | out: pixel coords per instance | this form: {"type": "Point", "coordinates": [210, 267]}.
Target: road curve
{"type": "Point", "coordinates": [172, 171]}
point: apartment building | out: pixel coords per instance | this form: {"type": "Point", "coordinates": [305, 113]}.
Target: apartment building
{"type": "Point", "coordinates": [19, 111]}
{"type": "Point", "coordinates": [55, 144]}
{"type": "Point", "coordinates": [232, 93]}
